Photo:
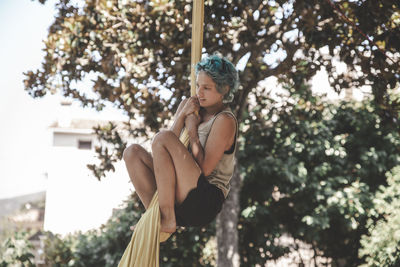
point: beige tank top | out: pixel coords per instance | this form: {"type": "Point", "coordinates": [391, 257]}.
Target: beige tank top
{"type": "Point", "coordinates": [223, 172]}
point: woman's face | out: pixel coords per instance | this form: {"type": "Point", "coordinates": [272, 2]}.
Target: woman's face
{"type": "Point", "coordinates": [206, 90]}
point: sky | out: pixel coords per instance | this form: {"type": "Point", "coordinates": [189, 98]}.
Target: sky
{"type": "Point", "coordinates": [23, 25]}
{"type": "Point", "coordinates": [24, 135]}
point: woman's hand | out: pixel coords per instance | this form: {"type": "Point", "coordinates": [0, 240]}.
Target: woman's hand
{"type": "Point", "coordinates": [192, 105]}
{"type": "Point", "coordinates": [192, 121]}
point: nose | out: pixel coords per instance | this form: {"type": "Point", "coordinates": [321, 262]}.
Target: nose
{"type": "Point", "coordinates": [199, 92]}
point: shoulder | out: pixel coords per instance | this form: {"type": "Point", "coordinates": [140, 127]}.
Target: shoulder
{"type": "Point", "coordinates": [226, 121]}
{"type": "Point", "coordinates": [226, 117]}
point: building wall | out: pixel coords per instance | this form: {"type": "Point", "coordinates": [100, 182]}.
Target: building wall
{"type": "Point", "coordinates": [70, 139]}
{"type": "Point", "coordinates": [75, 199]}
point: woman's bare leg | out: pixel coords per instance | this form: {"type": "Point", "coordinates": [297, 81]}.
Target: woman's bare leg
{"type": "Point", "coordinates": [139, 164]}
{"type": "Point", "coordinates": [176, 173]}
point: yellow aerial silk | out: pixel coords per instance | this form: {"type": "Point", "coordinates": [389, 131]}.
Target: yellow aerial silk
{"type": "Point", "coordinates": [144, 248]}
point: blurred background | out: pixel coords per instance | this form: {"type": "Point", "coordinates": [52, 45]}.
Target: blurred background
{"type": "Point", "coordinates": [316, 181]}
{"type": "Point", "coordinates": [46, 143]}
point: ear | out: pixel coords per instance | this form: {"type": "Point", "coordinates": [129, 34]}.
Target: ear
{"type": "Point", "coordinates": [225, 89]}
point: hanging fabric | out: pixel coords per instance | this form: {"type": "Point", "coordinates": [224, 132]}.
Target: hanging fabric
{"type": "Point", "coordinates": [144, 248]}
{"type": "Point", "coordinates": [197, 46]}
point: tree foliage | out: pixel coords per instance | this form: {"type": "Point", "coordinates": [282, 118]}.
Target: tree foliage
{"type": "Point", "coordinates": [16, 250]}
{"type": "Point", "coordinates": [311, 170]}
{"type": "Point", "coordinates": [137, 53]}
{"type": "Point", "coordinates": [105, 246]}
{"type": "Point", "coordinates": [315, 172]}
{"type": "Point", "coordinates": [380, 246]}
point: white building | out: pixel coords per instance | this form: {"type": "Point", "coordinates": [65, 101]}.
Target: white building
{"type": "Point", "coordinates": [75, 199]}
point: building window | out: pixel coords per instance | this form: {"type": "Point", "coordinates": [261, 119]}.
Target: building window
{"type": "Point", "coordinates": [85, 144]}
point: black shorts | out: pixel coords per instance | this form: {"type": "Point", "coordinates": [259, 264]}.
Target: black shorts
{"type": "Point", "coordinates": [201, 205]}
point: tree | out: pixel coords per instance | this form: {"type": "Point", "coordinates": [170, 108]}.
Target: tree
{"type": "Point", "coordinates": [316, 172]}
{"type": "Point", "coordinates": [138, 56]}
{"type": "Point", "coordinates": [17, 250]}
{"type": "Point", "coordinates": [380, 247]}
{"type": "Point", "coordinates": [105, 246]}
{"type": "Point", "coordinates": [312, 172]}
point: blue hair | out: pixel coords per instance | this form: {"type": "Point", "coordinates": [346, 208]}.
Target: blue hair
{"type": "Point", "coordinates": [223, 73]}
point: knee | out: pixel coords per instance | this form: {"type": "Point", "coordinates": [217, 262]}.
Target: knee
{"type": "Point", "coordinates": [132, 152]}
{"type": "Point", "coordinates": [162, 137]}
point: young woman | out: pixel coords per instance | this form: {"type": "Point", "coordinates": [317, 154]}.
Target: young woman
{"type": "Point", "coordinates": [192, 182]}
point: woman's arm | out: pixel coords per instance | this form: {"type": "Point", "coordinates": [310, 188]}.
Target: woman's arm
{"type": "Point", "coordinates": [186, 107]}
{"type": "Point", "coordinates": [219, 140]}
{"type": "Point", "coordinates": [192, 123]}
{"type": "Point", "coordinates": [179, 120]}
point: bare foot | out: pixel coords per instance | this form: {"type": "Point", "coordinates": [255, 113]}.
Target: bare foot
{"type": "Point", "coordinates": [165, 231]}
{"type": "Point", "coordinates": [168, 226]}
